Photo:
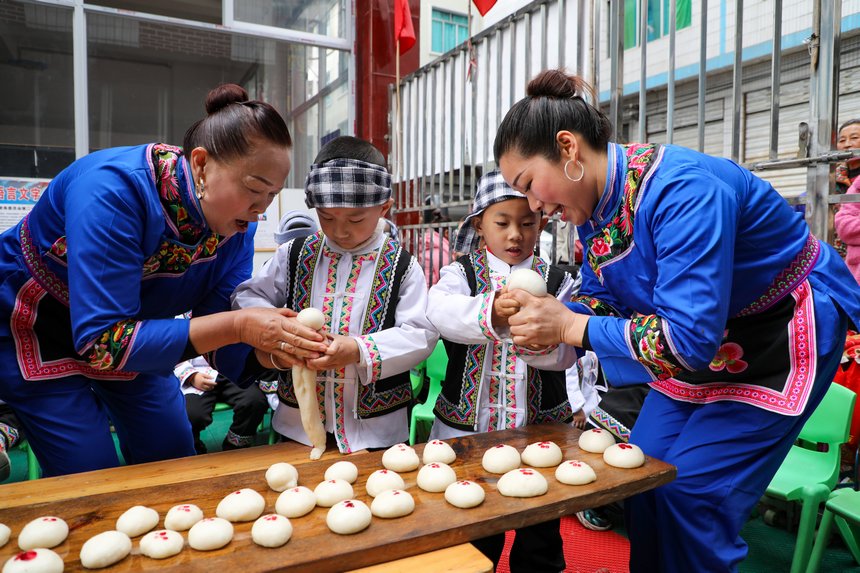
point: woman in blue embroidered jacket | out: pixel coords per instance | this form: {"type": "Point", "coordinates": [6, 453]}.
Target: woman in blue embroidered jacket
{"type": "Point", "coordinates": [702, 281]}
{"type": "Point", "coordinates": [122, 241]}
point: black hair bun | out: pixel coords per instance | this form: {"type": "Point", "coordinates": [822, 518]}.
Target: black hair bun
{"type": "Point", "coordinates": [223, 95]}
{"type": "Point", "coordinates": [555, 84]}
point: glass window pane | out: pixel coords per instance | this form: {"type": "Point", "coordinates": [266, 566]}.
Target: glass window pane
{"type": "Point", "coordinates": [437, 42]}
{"type": "Point", "coordinates": [324, 17]}
{"type": "Point", "coordinates": [654, 25]}
{"type": "Point", "coordinates": [208, 11]}
{"type": "Point", "coordinates": [630, 21]}
{"type": "Point", "coordinates": [683, 14]}
{"type": "Point", "coordinates": [37, 126]}
{"type": "Point", "coordinates": [148, 81]}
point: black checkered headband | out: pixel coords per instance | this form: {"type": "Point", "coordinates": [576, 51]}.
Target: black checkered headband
{"type": "Point", "coordinates": [347, 183]}
{"type": "Point", "coordinates": [492, 189]}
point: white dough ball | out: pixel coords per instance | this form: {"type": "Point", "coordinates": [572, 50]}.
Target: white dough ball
{"type": "Point", "coordinates": [383, 480]}
{"type": "Point", "coordinates": [242, 505]}
{"type": "Point", "coordinates": [47, 532]}
{"type": "Point", "coordinates": [392, 503]}
{"type": "Point", "coordinates": [342, 470]}
{"type": "Point", "coordinates": [575, 472]}
{"type": "Point", "coordinates": [281, 476]}
{"type": "Point", "coordinates": [311, 317]}
{"type": "Point", "coordinates": [210, 533]}
{"type": "Point", "coordinates": [5, 533]}
{"type": "Point", "coordinates": [528, 280]}
{"type": "Point", "coordinates": [542, 455]}
{"type": "Point", "coordinates": [348, 516]}
{"type": "Point", "coordinates": [436, 477]}
{"type": "Point", "coordinates": [182, 517]}
{"type": "Point", "coordinates": [296, 502]}
{"type": "Point", "coordinates": [625, 456]}
{"type": "Point", "coordinates": [271, 530]}
{"type": "Point", "coordinates": [522, 482]}
{"type": "Point", "coordinates": [161, 544]}
{"type": "Point", "coordinates": [595, 440]}
{"type": "Point", "coordinates": [137, 520]}
{"type": "Point", "coordinates": [438, 451]}
{"type": "Point", "coordinates": [105, 549]}
{"type": "Point", "coordinates": [501, 459]}
{"type": "Point", "coordinates": [400, 458]}
{"type": "Point", "coordinates": [332, 491]}
{"type": "Point", "coordinates": [464, 494]}
{"type": "Point", "coordinates": [37, 560]}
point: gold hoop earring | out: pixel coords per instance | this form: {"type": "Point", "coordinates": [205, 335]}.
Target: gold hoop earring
{"type": "Point", "coordinates": [201, 189]}
{"type": "Point", "coordinates": [581, 170]}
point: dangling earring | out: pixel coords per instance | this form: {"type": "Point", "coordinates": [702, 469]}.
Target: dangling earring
{"type": "Point", "coordinates": [201, 189]}
{"type": "Point", "coordinates": [581, 170]}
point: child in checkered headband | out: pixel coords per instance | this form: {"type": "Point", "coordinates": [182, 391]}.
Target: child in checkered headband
{"type": "Point", "coordinates": [372, 294]}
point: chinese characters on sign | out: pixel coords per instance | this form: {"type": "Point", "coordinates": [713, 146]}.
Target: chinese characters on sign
{"type": "Point", "coordinates": [17, 197]}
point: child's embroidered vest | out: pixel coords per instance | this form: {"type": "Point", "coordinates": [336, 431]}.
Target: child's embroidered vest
{"type": "Point", "coordinates": [546, 390]}
{"type": "Point", "coordinates": [392, 263]}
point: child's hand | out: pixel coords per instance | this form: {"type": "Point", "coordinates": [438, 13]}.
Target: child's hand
{"type": "Point", "coordinates": [579, 419]}
{"type": "Point", "coordinates": [504, 307]}
{"type": "Point", "coordinates": [342, 351]}
{"type": "Point", "coordinates": [203, 381]}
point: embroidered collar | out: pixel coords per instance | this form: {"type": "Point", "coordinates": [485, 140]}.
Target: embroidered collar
{"type": "Point", "coordinates": [616, 166]}
{"type": "Point", "coordinates": [176, 192]}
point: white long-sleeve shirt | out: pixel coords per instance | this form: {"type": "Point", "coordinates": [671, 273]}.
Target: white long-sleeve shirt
{"type": "Point", "coordinates": [456, 314]}
{"type": "Point", "coordinates": [391, 351]}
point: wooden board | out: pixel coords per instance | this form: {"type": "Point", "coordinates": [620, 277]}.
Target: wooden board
{"type": "Point", "coordinates": [433, 525]}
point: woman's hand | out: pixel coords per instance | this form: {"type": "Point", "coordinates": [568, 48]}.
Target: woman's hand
{"type": "Point", "coordinates": [544, 321]}
{"type": "Point", "coordinates": [276, 332]}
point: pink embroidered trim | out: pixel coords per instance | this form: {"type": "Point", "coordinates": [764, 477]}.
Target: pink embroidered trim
{"type": "Point", "coordinates": [510, 390]}
{"type": "Point", "coordinates": [27, 345]}
{"type": "Point", "coordinates": [791, 401]}
{"type": "Point", "coordinates": [375, 358]}
{"type": "Point", "coordinates": [795, 273]}
{"type": "Point", "coordinates": [496, 377]}
{"type": "Point", "coordinates": [484, 316]}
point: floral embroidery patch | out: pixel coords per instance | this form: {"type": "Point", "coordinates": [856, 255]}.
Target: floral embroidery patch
{"type": "Point", "coordinates": [597, 306]}
{"type": "Point", "coordinates": [651, 348]}
{"type": "Point", "coordinates": [108, 352]}
{"type": "Point", "coordinates": [617, 236]}
{"type": "Point", "coordinates": [729, 357]}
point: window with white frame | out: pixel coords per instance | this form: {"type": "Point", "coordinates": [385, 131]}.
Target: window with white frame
{"type": "Point", "coordinates": [658, 19]}
{"type": "Point", "coordinates": [448, 30]}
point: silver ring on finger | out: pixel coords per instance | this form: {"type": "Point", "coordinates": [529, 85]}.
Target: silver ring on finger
{"type": "Point", "coordinates": [283, 346]}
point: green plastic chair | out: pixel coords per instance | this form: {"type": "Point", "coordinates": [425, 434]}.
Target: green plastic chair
{"type": "Point", "coordinates": [422, 414]}
{"type": "Point", "coordinates": [809, 475]}
{"type": "Point", "coordinates": [416, 376]}
{"type": "Point", "coordinates": [843, 508]}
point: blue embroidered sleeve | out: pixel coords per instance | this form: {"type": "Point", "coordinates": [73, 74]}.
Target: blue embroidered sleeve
{"type": "Point", "coordinates": [686, 224]}
{"type": "Point", "coordinates": [109, 211]}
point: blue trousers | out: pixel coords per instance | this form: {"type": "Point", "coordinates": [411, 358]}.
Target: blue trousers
{"type": "Point", "coordinates": [67, 420]}
{"type": "Point", "coordinates": [726, 454]}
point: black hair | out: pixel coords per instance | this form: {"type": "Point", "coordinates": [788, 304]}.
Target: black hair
{"type": "Point", "coordinates": [846, 124]}
{"type": "Point", "coordinates": [232, 121]}
{"type": "Point", "coordinates": [348, 147]}
{"type": "Point", "coordinates": [554, 102]}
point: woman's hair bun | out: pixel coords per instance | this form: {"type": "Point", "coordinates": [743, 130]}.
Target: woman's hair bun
{"type": "Point", "coordinates": [223, 95]}
{"type": "Point", "coordinates": [555, 84]}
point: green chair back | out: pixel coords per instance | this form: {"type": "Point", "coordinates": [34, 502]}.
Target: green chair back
{"type": "Point", "coordinates": [831, 420]}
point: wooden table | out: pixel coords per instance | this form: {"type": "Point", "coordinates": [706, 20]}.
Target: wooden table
{"type": "Point", "coordinates": [91, 502]}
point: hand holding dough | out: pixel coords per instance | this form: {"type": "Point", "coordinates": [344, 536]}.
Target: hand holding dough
{"type": "Point", "coordinates": [527, 280]}
{"type": "Point", "coordinates": [305, 387]}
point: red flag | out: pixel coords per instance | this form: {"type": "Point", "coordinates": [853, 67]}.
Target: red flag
{"type": "Point", "coordinates": [403, 29]}
{"type": "Point", "coordinates": [484, 6]}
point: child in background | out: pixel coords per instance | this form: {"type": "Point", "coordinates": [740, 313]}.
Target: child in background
{"type": "Point", "coordinates": [203, 388]}
{"type": "Point", "coordinates": [371, 292]}
{"type": "Point", "coordinates": [469, 308]}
